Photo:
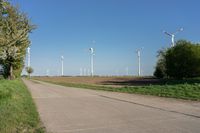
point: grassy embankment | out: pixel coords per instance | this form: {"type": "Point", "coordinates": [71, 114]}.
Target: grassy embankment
{"type": "Point", "coordinates": [17, 111]}
{"type": "Point", "coordinates": [181, 89]}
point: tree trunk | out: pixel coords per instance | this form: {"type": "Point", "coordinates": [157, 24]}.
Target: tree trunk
{"type": "Point", "coordinates": [11, 76]}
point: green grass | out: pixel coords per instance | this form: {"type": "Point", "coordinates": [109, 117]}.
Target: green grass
{"type": "Point", "coordinates": [180, 91]}
{"type": "Point", "coordinates": [17, 111]}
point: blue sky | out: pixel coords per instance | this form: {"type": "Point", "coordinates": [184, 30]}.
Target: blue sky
{"type": "Point", "coordinates": [119, 27]}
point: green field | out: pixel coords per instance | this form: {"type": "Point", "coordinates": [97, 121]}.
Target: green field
{"type": "Point", "coordinates": [180, 89]}
{"type": "Point", "coordinates": [17, 111]}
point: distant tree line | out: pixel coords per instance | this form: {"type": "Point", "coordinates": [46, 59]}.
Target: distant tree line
{"type": "Point", "coordinates": [14, 39]}
{"type": "Point", "coordinates": [180, 61]}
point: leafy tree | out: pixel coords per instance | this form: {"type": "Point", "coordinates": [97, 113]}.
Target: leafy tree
{"type": "Point", "coordinates": [14, 39]}
{"type": "Point", "coordinates": [183, 60]}
{"type": "Point", "coordinates": [29, 70]}
{"type": "Point", "coordinates": [180, 61]}
{"type": "Point", "coordinates": [160, 69]}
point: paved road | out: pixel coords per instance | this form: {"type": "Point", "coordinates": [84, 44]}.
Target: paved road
{"type": "Point", "coordinates": [72, 110]}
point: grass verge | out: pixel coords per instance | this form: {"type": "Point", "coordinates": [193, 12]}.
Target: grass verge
{"type": "Point", "coordinates": [17, 111]}
{"type": "Point", "coordinates": [180, 91]}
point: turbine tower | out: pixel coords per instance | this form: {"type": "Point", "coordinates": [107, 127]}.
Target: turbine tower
{"type": "Point", "coordinates": [81, 72]}
{"type": "Point", "coordinates": [29, 57]}
{"type": "Point", "coordinates": [84, 72]}
{"type": "Point", "coordinates": [62, 64]}
{"type": "Point", "coordinates": [127, 71]}
{"type": "Point", "coordinates": [172, 35]}
{"type": "Point", "coordinates": [138, 51]}
{"type": "Point", "coordinates": [47, 72]}
{"type": "Point", "coordinates": [92, 61]}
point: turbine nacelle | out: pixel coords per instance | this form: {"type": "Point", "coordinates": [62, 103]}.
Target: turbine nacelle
{"type": "Point", "coordinates": [138, 51]}
{"type": "Point", "coordinates": [92, 50]}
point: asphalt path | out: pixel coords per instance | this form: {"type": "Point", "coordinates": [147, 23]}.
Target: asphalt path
{"type": "Point", "coordinates": [74, 110]}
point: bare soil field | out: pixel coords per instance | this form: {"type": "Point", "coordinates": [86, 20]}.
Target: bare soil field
{"type": "Point", "coordinates": [106, 81]}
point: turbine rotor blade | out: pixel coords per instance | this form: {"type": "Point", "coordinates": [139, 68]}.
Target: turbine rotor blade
{"type": "Point", "coordinates": [179, 30]}
{"type": "Point", "coordinates": [165, 32]}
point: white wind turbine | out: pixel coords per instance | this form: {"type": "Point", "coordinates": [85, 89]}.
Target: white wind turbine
{"type": "Point", "coordinates": [62, 65]}
{"type": "Point", "coordinates": [172, 35]}
{"type": "Point", "coordinates": [81, 72]}
{"type": "Point", "coordinates": [127, 71]}
{"type": "Point", "coordinates": [47, 72]}
{"type": "Point", "coordinates": [92, 60]}
{"type": "Point", "coordinates": [138, 51]}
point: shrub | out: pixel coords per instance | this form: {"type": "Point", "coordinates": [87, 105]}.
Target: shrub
{"type": "Point", "coordinates": [180, 61]}
{"type": "Point", "coordinates": [160, 69]}
{"type": "Point", "coordinates": [183, 60]}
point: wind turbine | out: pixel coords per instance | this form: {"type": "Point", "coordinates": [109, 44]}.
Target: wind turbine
{"type": "Point", "coordinates": [172, 35]}
{"type": "Point", "coordinates": [88, 72]}
{"type": "Point", "coordinates": [29, 56]}
{"type": "Point", "coordinates": [84, 72]}
{"type": "Point", "coordinates": [138, 51]}
{"type": "Point", "coordinates": [62, 65]}
{"type": "Point", "coordinates": [92, 61]}
{"type": "Point", "coordinates": [47, 72]}
{"type": "Point", "coordinates": [127, 71]}
{"type": "Point", "coordinates": [81, 72]}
